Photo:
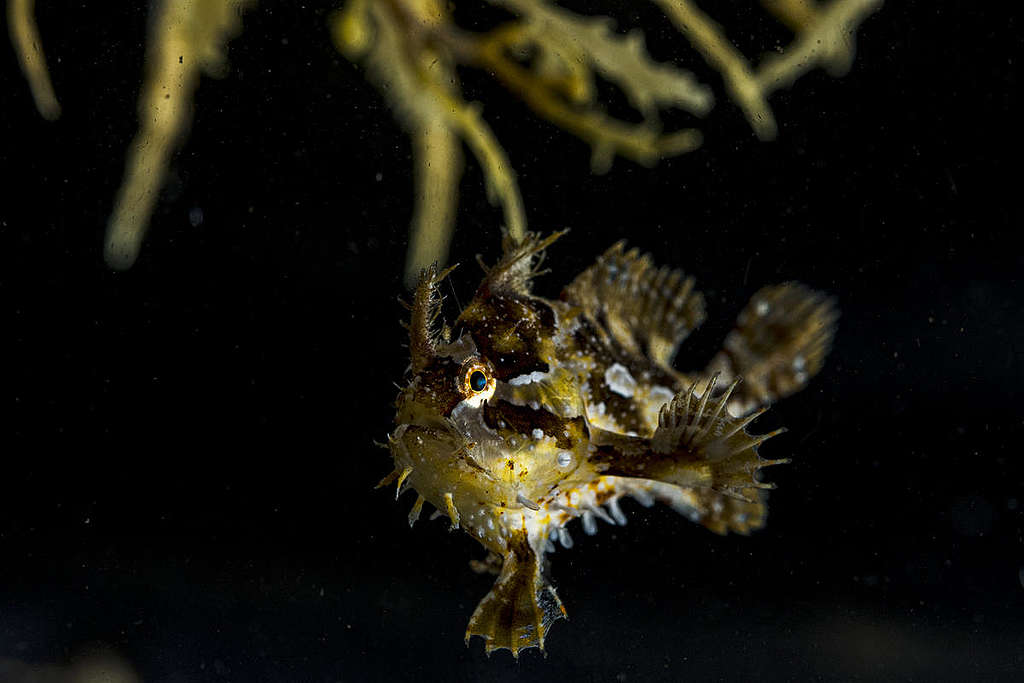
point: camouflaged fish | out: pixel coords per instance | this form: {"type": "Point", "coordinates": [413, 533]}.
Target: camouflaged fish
{"type": "Point", "coordinates": [528, 414]}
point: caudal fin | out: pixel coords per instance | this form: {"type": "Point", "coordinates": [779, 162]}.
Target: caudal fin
{"type": "Point", "coordinates": [780, 341]}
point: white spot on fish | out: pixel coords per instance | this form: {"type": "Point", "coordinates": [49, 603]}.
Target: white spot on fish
{"type": "Point", "coordinates": [538, 434]}
{"type": "Point", "coordinates": [564, 458]}
{"type": "Point", "coordinates": [619, 380]}
{"type": "Point", "coordinates": [762, 308]}
{"type": "Point", "coordinates": [661, 395]}
{"type": "Point", "coordinates": [530, 378]}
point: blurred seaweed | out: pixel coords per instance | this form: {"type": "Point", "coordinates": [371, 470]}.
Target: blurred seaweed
{"type": "Point", "coordinates": [544, 54]}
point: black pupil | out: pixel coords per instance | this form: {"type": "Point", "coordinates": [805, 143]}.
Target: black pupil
{"type": "Point", "coordinates": [477, 381]}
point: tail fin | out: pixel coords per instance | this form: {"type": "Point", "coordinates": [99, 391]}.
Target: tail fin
{"type": "Point", "coordinates": [521, 606]}
{"type": "Point", "coordinates": [780, 342]}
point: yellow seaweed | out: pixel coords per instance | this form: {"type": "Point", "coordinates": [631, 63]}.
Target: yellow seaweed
{"type": "Point", "coordinates": [21, 24]}
{"type": "Point", "coordinates": [547, 55]}
{"type": "Point", "coordinates": [187, 39]}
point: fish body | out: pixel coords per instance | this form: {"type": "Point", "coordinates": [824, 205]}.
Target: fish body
{"type": "Point", "coordinates": [530, 413]}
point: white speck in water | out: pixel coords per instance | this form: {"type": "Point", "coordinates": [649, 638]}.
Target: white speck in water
{"type": "Point", "coordinates": [564, 458]}
{"type": "Point", "coordinates": [195, 216]}
{"type": "Point", "coordinates": [619, 380]}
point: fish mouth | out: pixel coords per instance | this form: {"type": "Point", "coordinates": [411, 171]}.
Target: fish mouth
{"type": "Point", "coordinates": [425, 441]}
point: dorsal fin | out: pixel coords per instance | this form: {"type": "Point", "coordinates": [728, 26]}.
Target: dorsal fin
{"type": "Point", "coordinates": [646, 309]}
{"type": "Point", "coordinates": [424, 331]}
{"type": "Point", "coordinates": [514, 273]}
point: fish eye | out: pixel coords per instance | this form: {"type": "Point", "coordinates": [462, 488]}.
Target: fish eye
{"type": "Point", "coordinates": [476, 380]}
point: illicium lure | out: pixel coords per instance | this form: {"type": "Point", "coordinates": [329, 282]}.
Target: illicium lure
{"type": "Point", "coordinates": [530, 413]}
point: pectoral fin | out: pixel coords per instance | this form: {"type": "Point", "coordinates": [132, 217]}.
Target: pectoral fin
{"type": "Point", "coordinates": [521, 606]}
{"type": "Point", "coordinates": [697, 444]}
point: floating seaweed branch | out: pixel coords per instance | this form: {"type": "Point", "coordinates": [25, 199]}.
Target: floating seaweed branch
{"type": "Point", "coordinates": [546, 55]}
{"type": "Point", "coordinates": [187, 39]}
{"type": "Point", "coordinates": [21, 24]}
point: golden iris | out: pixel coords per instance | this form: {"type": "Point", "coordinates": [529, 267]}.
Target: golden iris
{"type": "Point", "coordinates": [475, 378]}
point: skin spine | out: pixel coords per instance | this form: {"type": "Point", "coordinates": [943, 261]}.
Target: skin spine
{"type": "Point", "coordinates": [532, 413]}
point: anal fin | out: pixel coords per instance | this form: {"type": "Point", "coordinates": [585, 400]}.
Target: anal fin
{"type": "Point", "coordinates": [717, 512]}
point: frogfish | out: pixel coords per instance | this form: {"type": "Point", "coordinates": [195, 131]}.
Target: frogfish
{"type": "Point", "coordinates": [527, 414]}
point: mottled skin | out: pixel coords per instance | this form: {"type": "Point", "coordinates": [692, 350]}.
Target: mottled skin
{"type": "Point", "coordinates": [533, 412]}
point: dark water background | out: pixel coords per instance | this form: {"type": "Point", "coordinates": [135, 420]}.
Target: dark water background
{"type": "Point", "coordinates": [188, 461]}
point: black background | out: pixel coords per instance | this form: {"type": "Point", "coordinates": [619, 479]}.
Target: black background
{"type": "Point", "coordinates": [188, 460]}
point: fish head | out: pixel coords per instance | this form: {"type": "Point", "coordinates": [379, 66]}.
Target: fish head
{"type": "Point", "coordinates": [490, 416]}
